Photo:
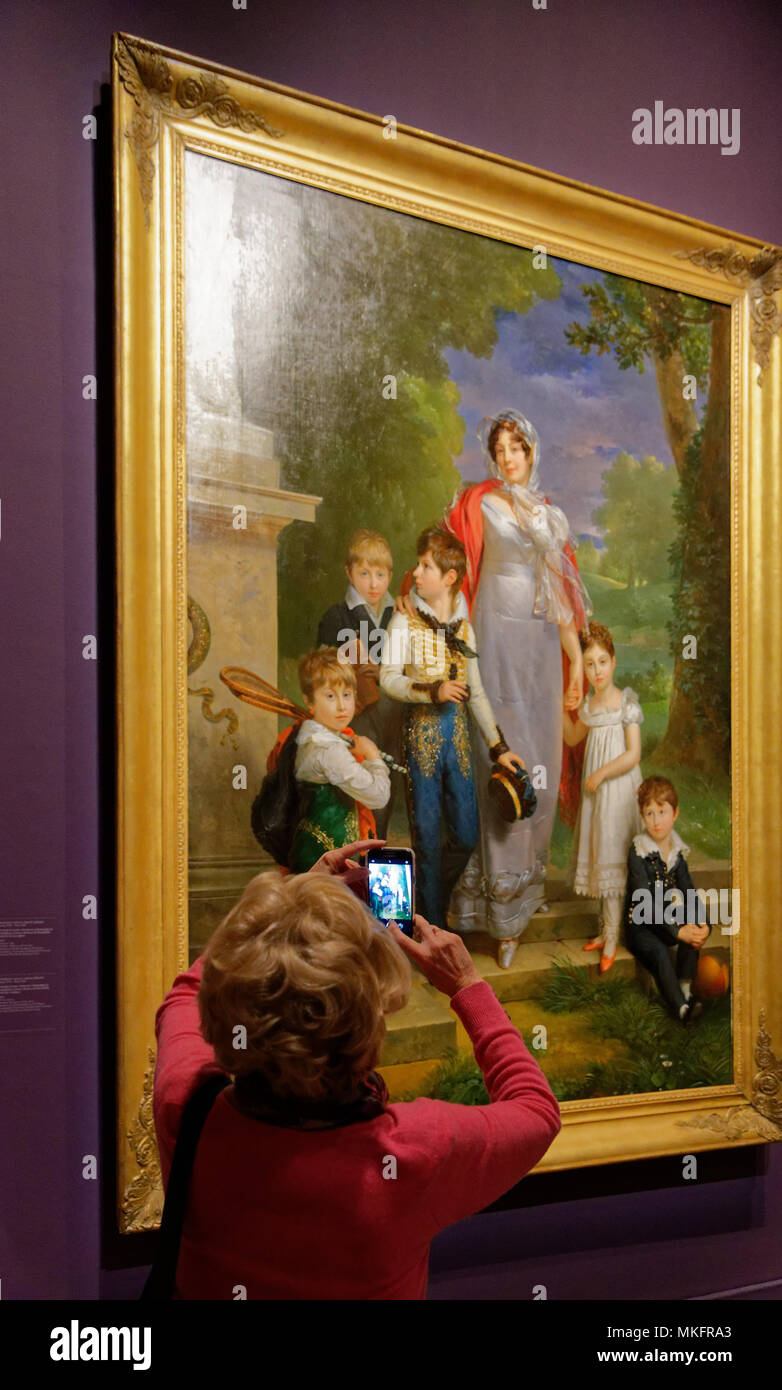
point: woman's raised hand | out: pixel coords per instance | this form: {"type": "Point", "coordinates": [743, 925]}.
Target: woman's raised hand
{"type": "Point", "coordinates": [341, 864]}
{"type": "Point", "coordinates": [404, 604]}
{"type": "Point", "coordinates": [441, 955]}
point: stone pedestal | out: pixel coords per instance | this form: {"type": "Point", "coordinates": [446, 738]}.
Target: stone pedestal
{"type": "Point", "coordinates": [236, 511]}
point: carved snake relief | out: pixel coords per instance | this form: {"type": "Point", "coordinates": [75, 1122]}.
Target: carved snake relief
{"type": "Point", "coordinates": [197, 653]}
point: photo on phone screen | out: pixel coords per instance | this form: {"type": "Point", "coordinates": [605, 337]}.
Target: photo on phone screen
{"type": "Point", "coordinates": [391, 887]}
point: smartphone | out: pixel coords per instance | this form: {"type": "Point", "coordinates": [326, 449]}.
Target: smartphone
{"type": "Point", "coordinates": [392, 886]}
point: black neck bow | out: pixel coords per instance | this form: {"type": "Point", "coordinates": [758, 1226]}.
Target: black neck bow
{"type": "Point", "coordinates": [449, 631]}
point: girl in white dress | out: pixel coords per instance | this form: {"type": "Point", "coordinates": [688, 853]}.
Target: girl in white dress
{"type": "Point", "coordinates": [608, 815]}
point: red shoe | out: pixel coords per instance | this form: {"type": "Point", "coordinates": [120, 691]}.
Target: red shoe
{"type": "Point", "coordinates": [606, 963]}
{"type": "Point", "coordinates": [593, 946]}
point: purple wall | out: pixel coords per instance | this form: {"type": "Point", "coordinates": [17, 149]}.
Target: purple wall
{"type": "Point", "coordinates": [553, 88]}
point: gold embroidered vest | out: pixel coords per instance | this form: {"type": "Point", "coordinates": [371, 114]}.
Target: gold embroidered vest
{"type": "Point", "coordinates": [431, 659]}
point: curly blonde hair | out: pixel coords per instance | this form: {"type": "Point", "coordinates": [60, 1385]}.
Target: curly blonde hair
{"type": "Point", "coordinates": [300, 965]}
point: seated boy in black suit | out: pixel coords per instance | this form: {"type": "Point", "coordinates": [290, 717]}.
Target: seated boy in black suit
{"type": "Point", "coordinates": [357, 627]}
{"type": "Point", "coordinates": [656, 916]}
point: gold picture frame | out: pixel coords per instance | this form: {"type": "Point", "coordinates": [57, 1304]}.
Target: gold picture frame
{"type": "Point", "coordinates": [165, 104]}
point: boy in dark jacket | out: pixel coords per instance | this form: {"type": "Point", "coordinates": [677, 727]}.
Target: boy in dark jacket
{"type": "Point", "coordinates": [357, 628]}
{"type": "Point", "coordinates": [662, 908]}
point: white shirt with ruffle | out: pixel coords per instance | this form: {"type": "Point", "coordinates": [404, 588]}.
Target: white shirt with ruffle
{"type": "Point", "coordinates": [323, 756]}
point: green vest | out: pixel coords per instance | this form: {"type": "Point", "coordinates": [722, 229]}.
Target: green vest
{"type": "Point", "coordinates": [329, 820]}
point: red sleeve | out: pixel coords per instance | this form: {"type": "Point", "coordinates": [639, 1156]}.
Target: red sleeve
{"type": "Point", "coordinates": [478, 1152]}
{"type": "Point", "coordinates": [184, 1060]}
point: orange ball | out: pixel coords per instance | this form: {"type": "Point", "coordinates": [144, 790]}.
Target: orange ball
{"type": "Point", "coordinates": [712, 978]}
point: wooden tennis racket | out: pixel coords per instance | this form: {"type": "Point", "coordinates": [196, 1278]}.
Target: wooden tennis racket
{"type": "Point", "coordinates": [254, 690]}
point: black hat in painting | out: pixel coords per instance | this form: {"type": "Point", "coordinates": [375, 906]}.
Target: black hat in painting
{"type": "Point", "coordinates": [512, 793]}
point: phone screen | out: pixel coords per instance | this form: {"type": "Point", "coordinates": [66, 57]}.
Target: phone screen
{"type": "Point", "coordinates": [391, 891]}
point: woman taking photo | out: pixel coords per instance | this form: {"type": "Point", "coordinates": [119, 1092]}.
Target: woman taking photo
{"type": "Point", "coordinates": [307, 1183]}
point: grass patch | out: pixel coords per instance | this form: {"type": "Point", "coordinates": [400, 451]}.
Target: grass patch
{"type": "Point", "coordinates": [598, 583]}
{"type": "Point", "coordinates": [667, 1057]}
{"type": "Point", "coordinates": [457, 1079]}
{"type": "Point", "coordinates": [602, 1079]}
{"type": "Point", "coordinates": [571, 987]}
{"type": "Point", "coordinates": [662, 1055]}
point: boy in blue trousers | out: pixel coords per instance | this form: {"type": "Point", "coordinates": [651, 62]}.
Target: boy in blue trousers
{"type": "Point", "coordinates": [431, 665]}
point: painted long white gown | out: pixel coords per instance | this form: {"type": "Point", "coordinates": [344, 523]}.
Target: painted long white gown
{"type": "Point", "coordinates": [519, 655]}
{"type": "Point", "coordinates": [609, 818]}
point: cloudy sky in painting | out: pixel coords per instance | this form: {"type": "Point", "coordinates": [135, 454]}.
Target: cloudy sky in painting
{"type": "Point", "coordinates": [584, 408]}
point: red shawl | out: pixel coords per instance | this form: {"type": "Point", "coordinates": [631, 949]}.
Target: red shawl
{"type": "Point", "coordinates": [465, 521]}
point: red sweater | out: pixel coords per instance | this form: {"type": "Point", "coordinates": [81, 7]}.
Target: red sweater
{"type": "Point", "coordinates": [309, 1214]}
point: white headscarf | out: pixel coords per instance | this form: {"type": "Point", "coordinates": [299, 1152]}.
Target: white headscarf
{"type": "Point", "coordinates": [560, 594]}
{"type": "Point", "coordinates": [521, 423]}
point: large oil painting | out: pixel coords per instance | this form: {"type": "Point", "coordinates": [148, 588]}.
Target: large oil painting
{"type": "Point", "coordinates": [342, 359]}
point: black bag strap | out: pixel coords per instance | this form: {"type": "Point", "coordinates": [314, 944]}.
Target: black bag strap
{"type": "Point", "coordinates": [160, 1283]}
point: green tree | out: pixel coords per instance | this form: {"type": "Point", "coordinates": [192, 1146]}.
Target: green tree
{"type": "Point", "coordinates": [684, 337]}
{"type": "Point", "coordinates": [637, 518]}
{"type": "Point", "coordinates": [374, 295]}
{"type": "Point", "coordinates": [641, 323]}
{"type": "Point", "coordinates": [588, 558]}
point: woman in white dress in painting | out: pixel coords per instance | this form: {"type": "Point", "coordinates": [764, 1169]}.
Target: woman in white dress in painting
{"type": "Point", "coordinates": [608, 816]}
{"type": "Point", "coordinates": [527, 606]}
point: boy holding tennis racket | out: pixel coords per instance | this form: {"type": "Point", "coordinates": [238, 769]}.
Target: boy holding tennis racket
{"type": "Point", "coordinates": [340, 782]}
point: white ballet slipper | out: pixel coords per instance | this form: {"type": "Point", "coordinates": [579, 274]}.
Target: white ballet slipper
{"type": "Point", "coordinates": [506, 951]}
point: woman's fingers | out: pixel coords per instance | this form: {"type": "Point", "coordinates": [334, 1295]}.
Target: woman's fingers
{"type": "Point", "coordinates": [357, 847]}
{"type": "Point", "coordinates": [404, 604]}
{"type": "Point", "coordinates": [335, 860]}
{"type": "Point", "coordinates": [441, 955]}
{"type": "Point", "coordinates": [357, 880]}
{"type": "Point", "coordinates": [425, 934]}
{"type": "Point", "coordinates": [425, 929]}
{"type": "Point", "coordinates": [410, 947]}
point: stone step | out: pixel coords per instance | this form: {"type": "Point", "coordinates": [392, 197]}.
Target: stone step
{"type": "Point", "coordinates": [570, 916]}
{"type": "Point", "coordinates": [706, 873]}
{"type": "Point", "coordinates": [564, 920]}
{"type": "Point", "coordinates": [562, 928]}
{"type": "Point", "coordinates": [557, 887]}
{"type": "Point", "coordinates": [424, 1028]}
{"type": "Point", "coordinates": [529, 970]}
